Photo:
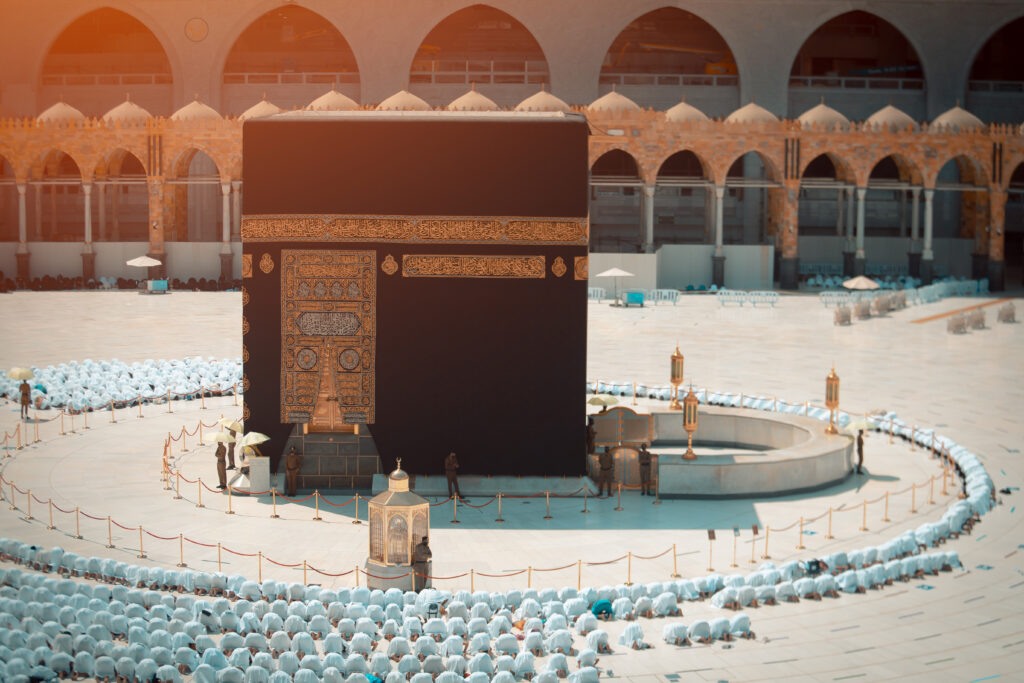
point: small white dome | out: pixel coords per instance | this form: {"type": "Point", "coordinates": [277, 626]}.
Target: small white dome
{"type": "Point", "coordinates": [891, 117]}
{"type": "Point", "coordinates": [62, 111]}
{"type": "Point", "coordinates": [333, 101]}
{"type": "Point", "coordinates": [543, 101]}
{"type": "Point", "coordinates": [473, 101]}
{"type": "Point", "coordinates": [683, 112]}
{"type": "Point", "coordinates": [195, 110]}
{"type": "Point", "coordinates": [751, 113]}
{"type": "Point", "coordinates": [403, 100]}
{"type": "Point", "coordinates": [956, 119]}
{"type": "Point", "coordinates": [613, 101]}
{"type": "Point", "coordinates": [127, 111]}
{"type": "Point", "coordinates": [824, 116]}
{"type": "Point", "coordinates": [261, 108]}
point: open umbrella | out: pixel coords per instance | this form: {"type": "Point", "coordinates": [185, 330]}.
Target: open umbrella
{"type": "Point", "coordinates": [223, 436]}
{"type": "Point", "coordinates": [20, 373]}
{"type": "Point", "coordinates": [251, 439]}
{"type": "Point", "coordinates": [143, 262]}
{"type": "Point", "coordinates": [228, 423]}
{"type": "Point", "coordinates": [615, 273]}
{"type": "Point", "coordinates": [603, 400]}
{"type": "Point", "coordinates": [860, 282]}
{"type": "Point", "coordinates": [855, 425]}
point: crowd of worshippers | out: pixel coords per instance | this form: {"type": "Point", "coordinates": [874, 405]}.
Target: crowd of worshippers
{"type": "Point", "coordinates": [51, 283]}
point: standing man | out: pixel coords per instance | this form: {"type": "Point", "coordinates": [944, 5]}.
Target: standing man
{"type": "Point", "coordinates": [222, 470]}
{"type": "Point", "coordinates": [420, 560]}
{"type": "Point", "coordinates": [604, 476]}
{"type": "Point", "coordinates": [644, 458]}
{"type": "Point", "coordinates": [451, 470]}
{"type": "Point", "coordinates": [860, 450]}
{"type": "Point", "coordinates": [231, 449]}
{"type": "Point", "coordinates": [292, 465]}
{"type": "Point", "coordinates": [26, 398]}
{"type": "Point", "coordinates": [591, 436]}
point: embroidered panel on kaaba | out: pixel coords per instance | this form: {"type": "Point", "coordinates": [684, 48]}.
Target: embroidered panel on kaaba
{"type": "Point", "coordinates": [422, 275]}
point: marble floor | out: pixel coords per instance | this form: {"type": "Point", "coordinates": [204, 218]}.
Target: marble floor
{"type": "Point", "coordinates": [960, 626]}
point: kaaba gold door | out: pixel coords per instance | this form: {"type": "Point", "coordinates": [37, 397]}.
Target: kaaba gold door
{"type": "Point", "coordinates": [327, 413]}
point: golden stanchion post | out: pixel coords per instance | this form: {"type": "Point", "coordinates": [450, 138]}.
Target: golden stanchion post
{"type": "Point", "coordinates": [913, 433]}
{"type": "Point", "coordinates": [455, 509]}
{"type": "Point", "coordinates": [17, 433]}
{"type": "Point", "coordinates": [202, 398]}
{"type": "Point", "coordinates": [259, 567]}
{"type": "Point", "coordinates": [13, 506]}
{"type": "Point", "coordinates": [139, 402]}
{"type": "Point", "coordinates": [305, 581]}
{"type": "Point", "coordinates": [913, 498]}
{"type": "Point", "coordinates": [618, 508]}
{"type": "Point", "coordinates": [829, 534]}
{"type": "Point", "coordinates": [28, 499]}
{"type": "Point", "coordinates": [273, 502]}
{"type": "Point", "coordinates": [800, 540]}
{"type": "Point", "coordinates": [629, 569]}
{"type": "Point", "coordinates": [547, 503]}
{"type": "Point", "coordinates": [357, 576]}
{"type": "Point", "coordinates": [775, 404]}
{"type": "Point", "coordinates": [7, 448]}
{"type": "Point", "coordinates": [234, 397]}
{"type": "Point", "coordinates": [356, 520]}
{"type": "Point", "coordinates": [199, 486]}
{"type": "Point", "coordinates": [885, 514]}
{"type": "Point", "coordinates": [181, 550]}
{"type": "Point", "coordinates": [529, 577]}
{"type": "Point", "coordinates": [110, 533]}
{"type": "Point", "coordinates": [36, 425]}
{"type": "Point", "coordinates": [767, 532]}
{"type": "Point", "coordinates": [675, 563]}
{"type": "Point", "coordinates": [579, 574]}
{"type": "Point", "coordinates": [112, 420]}
{"type": "Point", "coordinates": [316, 506]}
{"type": "Point", "coordinates": [72, 416]}
{"type": "Point", "coordinates": [711, 540]}
{"type": "Point", "coordinates": [169, 409]}
{"type": "Point", "coordinates": [931, 490]}
{"type": "Point", "coordinates": [864, 517]}
{"type": "Point", "coordinates": [142, 552]}
{"type": "Point", "coordinates": [219, 566]}
{"type": "Point", "coordinates": [85, 419]}
{"type": "Point", "coordinates": [945, 472]}
{"type": "Point", "coordinates": [690, 422]}
{"type": "Point", "coordinates": [177, 486]}
{"type": "Point", "coordinates": [229, 511]}
{"type": "Point", "coordinates": [807, 408]}
{"type": "Point", "coordinates": [472, 581]}
{"type": "Point", "coordinates": [586, 492]}
{"type": "Point", "coordinates": [201, 434]}
{"type": "Point", "coordinates": [892, 423]}
{"type": "Point", "coordinates": [78, 530]}
{"type": "Point", "coordinates": [634, 393]}
{"type": "Point", "coordinates": [184, 435]}
{"type": "Point", "coordinates": [753, 545]}
{"type": "Point", "coordinates": [62, 432]}
{"type": "Point", "coordinates": [735, 541]}
{"type": "Point", "coordinates": [50, 505]}
{"type": "Point", "coordinates": [499, 520]}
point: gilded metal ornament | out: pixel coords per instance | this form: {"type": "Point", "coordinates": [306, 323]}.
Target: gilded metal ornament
{"type": "Point", "coordinates": [245, 325]}
{"type": "Point", "coordinates": [245, 296]}
{"type": "Point", "coordinates": [515, 267]}
{"type": "Point", "coordinates": [579, 268]}
{"type": "Point", "coordinates": [389, 266]}
{"type": "Point", "coordinates": [558, 267]}
{"type": "Point", "coordinates": [266, 264]}
{"type": "Point", "coordinates": [246, 265]}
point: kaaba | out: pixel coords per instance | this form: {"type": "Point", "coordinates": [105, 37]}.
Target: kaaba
{"type": "Point", "coordinates": [421, 278]}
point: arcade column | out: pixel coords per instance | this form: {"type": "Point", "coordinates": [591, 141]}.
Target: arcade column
{"type": "Point", "coordinates": [789, 264]}
{"type": "Point", "coordinates": [225, 234]}
{"type": "Point", "coordinates": [156, 228]}
{"type": "Point", "coordinates": [22, 256]}
{"type": "Point", "coordinates": [927, 254]}
{"type": "Point", "coordinates": [914, 255]}
{"type": "Point", "coordinates": [850, 227]}
{"type": "Point", "coordinates": [996, 239]}
{"type": "Point", "coordinates": [649, 218]}
{"type": "Point", "coordinates": [88, 255]}
{"type": "Point", "coordinates": [859, 260]}
{"type": "Point", "coordinates": [718, 258]}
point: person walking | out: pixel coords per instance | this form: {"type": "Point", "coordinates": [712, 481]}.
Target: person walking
{"type": "Point", "coordinates": [860, 450]}
{"type": "Point", "coordinates": [604, 475]}
{"type": "Point", "coordinates": [644, 458]}
{"type": "Point", "coordinates": [292, 465]}
{"type": "Point", "coordinates": [26, 398]}
{"type": "Point", "coordinates": [222, 470]}
{"type": "Point", "coordinates": [420, 563]}
{"type": "Point", "coordinates": [451, 471]}
{"type": "Point", "coordinates": [231, 449]}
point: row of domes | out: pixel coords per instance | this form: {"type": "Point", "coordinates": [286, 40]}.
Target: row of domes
{"type": "Point", "coordinates": [820, 116]}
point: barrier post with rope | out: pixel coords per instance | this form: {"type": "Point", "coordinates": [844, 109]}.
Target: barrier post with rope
{"type": "Point", "coordinates": [711, 540]}
{"type": "Point", "coordinates": [78, 529]}
{"type": "Point", "coordinates": [945, 471]}
{"type": "Point", "coordinates": [356, 499]}
{"type": "Point", "coordinates": [892, 423]}
{"type": "Point", "coordinates": [28, 499]}
{"type": "Point", "coordinates": [229, 511]}
{"type": "Point", "coordinates": [273, 503]}
{"type": "Point", "coordinates": [13, 506]}
{"type": "Point", "coordinates": [184, 435]}
{"type": "Point", "coordinates": [219, 567]}
{"type": "Point", "coordinates": [110, 533]}
{"type": "Point", "coordinates": [181, 551]}
{"type": "Point", "coordinates": [202, 401]}
{"type": "Point", "coordinates": [201, 434]}
{"type": "Point", "coordinates": [50, 505]}
{"type": "Point", "coordinates": [586, 491]}
{"type": "Point", "coordinates": [112, 420]}
{"type": "Point", "coordinates": [62, 432]}
{"type": "Point", "coordinates": [579, 575]}
{"type": "Point", "coordinates": [547, 503]}
{"type": "Point", "coordinates": [767, 532]}
{"type": "Point", "coordinates": [499, 520]}
{"type": "Point", "coordinates": [529, 577]}
{"type": "Point", "coordinates": [234, 395]}
{"type": "Point", "coordinates": [357, 575]}
{"type": "Point", "coordinates": [829, 535]}
{"type": "Point", "coordinates": [259, 565]}
{"type": "Point", "coordinates": [455, 510]}
{"type": "Point", "coordinates": [139, 402]}
{"type": "Point", "coordinates": [618, 507]}
{"type": "Point", "coordinates": [36, 425]}
{"type": "Point", "coordinates": [675, 563]}
{"type": "Point", "coordinates": [885, 514]}
{"type": "Point", "coordinates": [913, 432]}
{"type": "Point", "coordinates": [864, 516]}
{"type": "Point", "coordinates": [629, 568]}
{"type": "Point", "coordinates": [800, 540]}
{"type": "Point", "coordinates": [169, 409]}
{"type": "Point", "coordinates": [85, 419]}
{"type": "Point", "coordinates": [199, 485]}
{"type": "Point", "coordinates": [17, 432]}
{"type": "Point", "coordinates": [913, 498]}
{"type": "Point", "coordinates": [305, 582]}
{"type": "Point", "coordinates": [142, 551]}
{"type": "Point", "coordinates": [177, 486]}
{"type": "Point", "coordinates": [735, 541]}
{"type": "Point", "coordinates": [931, 490]}
{"type": "Point", "coordinates": [472, 583]}
{"type": "Point", "coordinates": [316, 504]}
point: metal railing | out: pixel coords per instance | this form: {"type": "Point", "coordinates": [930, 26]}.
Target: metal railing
{"type": "Point", "coordinates": [856, 83]}
{"type": "Point", "coordinates": [714, 80]}
{"type": "Point", "coordinates": [290, 78]}
{"type": "Point", "coordinates": [996, 86]}
{"type": "Point", "coordinates": [106, 79]}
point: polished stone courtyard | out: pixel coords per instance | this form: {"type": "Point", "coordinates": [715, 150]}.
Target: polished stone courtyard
{"type": "Point", "coordinates": [960, 626]}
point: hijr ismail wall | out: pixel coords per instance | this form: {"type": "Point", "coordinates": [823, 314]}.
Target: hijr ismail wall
{"type": "Point", "coordinates": [423, 274]}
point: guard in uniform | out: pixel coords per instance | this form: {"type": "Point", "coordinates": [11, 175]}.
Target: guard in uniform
{"type": "Point", "coordinates": [231, 450]}
{"type": "Point", "coordinates": [420, 560]}
{"type": "Point", "coordinates": [222, 470]}
{"type": "Point", "coordinates": [860, 450]}
{"type": "Point", "coordinates": [644, 458]}
{"type": "Point", "coordinates": [451, 470]}
{"type": "Point", "coordinates": [292, 465]}
{"type": "Point", "coordinates": [605, 464]}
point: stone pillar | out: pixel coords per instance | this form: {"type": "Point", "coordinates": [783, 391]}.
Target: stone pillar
{"type": "Point", "coordinates": [996, 239]}
{"type": "Point", "coordinates": [709, 214]}
{"type": "Point", "coordinates": [848, 242]}
{"type": "Point", "coordinates": [88, 256]}
{"type": "Point", "coordinates": [115, 208]}
{"type": "Point", "coordinates": [101, 202]}
{"type": "Point", "coordinates": [860, 260]}
{"type": "Point", "coordinates": [38, 222]}
{"type": "Point", "coordinates": [839, 213]}
{"type": "Point", "coordinates": [236, 197]}
{"type": "Point", "coordinates": [927, 255]}
{"type": "Point", "coordinates": [718, 258]}
{"type": "Point", "coordinates": [648, 224]}
{"type": "Point", "coordinates": [22, 256]}
{"type": "Point", "coordinates": [225, 244]}
{"type": "Point", "coordinates": [753, 211]}
{"type": "Point", "coordinates": [914, 255]}
{"type": "Point", "coordinates": [156, 228]}
{"type": "Point", "coordinates": [788, 238]}
{"type": "Point", "coordinates": [903, 213]}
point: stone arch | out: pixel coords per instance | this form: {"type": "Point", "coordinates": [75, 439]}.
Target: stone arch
{"type": "Point", "coordinates": [683, 200]}
{"type": "Point", "coordinates": [1002, 43]}
{"type": "Point", "coordinates": [148, 73]}
{"type": "Point", "coordinates": [844, 170]}
{"type": "Point", "coordinates": [287, 74]}
{"type": "Point", "coordinates": [120, 197]}
{"type": "Point", "coordinates": [60, 216]}
{"type": "Point", "coordinates": [483, 45]}
{"type": "Point", "coordinates": [1015, 172]}
{"type": "Point", "coordinates": [972, 209]}
{"type": "Point", "coordinates": [766, 157]}
{"type": "Point", "coordinates": [908, 169]}
{"type": "Point", "coordinates": [977, 171]}
{"type": "Point", "coordinates": [179, 166]}
{"type": "Point", "coordinates": [704, 164]}
{"type": "Point", "coordinates": [197, 208]}
{"type": "Point", "coordinates": [615, 201]}
{"type": "Point", "coordinates": [760, 209]}
{"type": "Point", "coordinates": [616, 159]}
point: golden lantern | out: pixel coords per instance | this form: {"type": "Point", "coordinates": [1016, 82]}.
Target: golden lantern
{"type": "Point", "coordinates": [398, 519]}
{"type": "Point", "coordinates": [832, 400]}
{"type": "Point", "coordinates": [690, 423]}
{"type": "Point", "coordinates": [676, 378]}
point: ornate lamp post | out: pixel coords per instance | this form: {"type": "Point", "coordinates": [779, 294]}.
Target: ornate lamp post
{"type": "Point", "coordinates": [398, 519]}
{"type": "Point", "coordinates": [832, 400]}
{"type": "Point", "coordinates": [690, 423]}
{"type": "Point", "coordinates": [676, 378]}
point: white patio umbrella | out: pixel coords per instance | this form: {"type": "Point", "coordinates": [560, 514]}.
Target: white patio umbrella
{"type": "Point", "coordinates": [143, 262]}
{"type": "Point", "coordinates": [615, 273]}
{"type": "Point", "coordinates": [223, 436]}
{"type": "Point", "coordinates": [228, 423]}
{"type": "Point", "coordinates": [860, 282]}
{"type": "Point", "coordinates": [20, 373]}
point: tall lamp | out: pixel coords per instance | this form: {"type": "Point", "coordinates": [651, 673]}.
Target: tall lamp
{"type": "Point", "coordinates": [690, 423]}
{"type": "Point", "coordinates": [676, 378]}
{"type": "Point", "coordinates": [832, 400]}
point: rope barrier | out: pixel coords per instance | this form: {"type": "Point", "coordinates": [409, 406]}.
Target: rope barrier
{"type": "Point", "coordinates": [502, 576]}
{"type": "Point", "coordinates": [339, 505]}
{"type": "Point", "coordinates": [205, 545]}
{"type": "Point", "coordinates": [654, 557]}
{"type": "Point", "coordinates": [281, 564]}
{"type": "Point", "coordinates": [617, 559]}
{"type": "Point", "coordinates": [555, 569]}
{"type": "Point", "coordinates": [320, 571]}
{"type": "Point", "coordinates": [162, 538]}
